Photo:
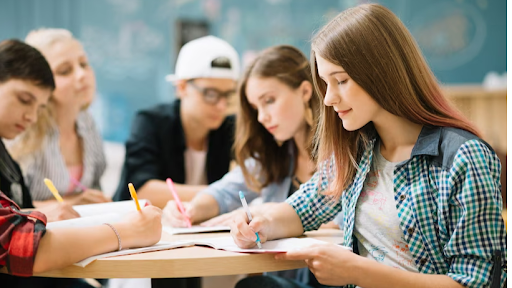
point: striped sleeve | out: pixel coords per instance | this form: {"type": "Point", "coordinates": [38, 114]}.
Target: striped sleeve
{"type": "Point", "coordinates": [94, 154]}
{"type": "Point", "coordinates": [477, 228]}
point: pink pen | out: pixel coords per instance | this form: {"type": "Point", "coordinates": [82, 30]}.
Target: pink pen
{"type": "Point", "coordinates": [178, 201]}
{"type": "Point", "coordinates": [78, 184]}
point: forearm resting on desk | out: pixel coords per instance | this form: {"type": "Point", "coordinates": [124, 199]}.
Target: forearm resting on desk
{"type": "Point", "coordinates": [282, 220]}
{"type": "Point", "coordinates": [158, 192]}
{"type": "Point", "coordinates": [203, 207]}
{"type": "Point", "coordinates": [59, 248]}
{"type": "Point", "coordinates": [62, 247]}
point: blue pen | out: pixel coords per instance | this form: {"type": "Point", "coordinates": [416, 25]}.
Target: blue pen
{"type": "Point", "coordinates": [244, 203]}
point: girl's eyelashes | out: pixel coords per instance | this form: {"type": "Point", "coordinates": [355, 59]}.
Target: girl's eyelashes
{"type": "Point", "coordinates": [342, 82]}
{"type": "Point", "coordinates": [64, 71]}
{"type": "Point", "coordinates": [26, 100]}
{"type": "Point", "coordinates": [269, 100]}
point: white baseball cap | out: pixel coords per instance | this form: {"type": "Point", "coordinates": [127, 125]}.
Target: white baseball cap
{"type": "Point", "coordinates": [206, 57]}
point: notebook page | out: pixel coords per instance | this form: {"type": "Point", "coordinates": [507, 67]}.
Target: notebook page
{"type": "Point", "coordinates": [121, 207]}
{"type": "Point", "coordinates": [86, 221]}
{"type": "Point", "coordinates": [162, 245]}
{"type": "Point", "coordinates": [194, 229]}
{"type": "Point", "coordinates": [274, 246]}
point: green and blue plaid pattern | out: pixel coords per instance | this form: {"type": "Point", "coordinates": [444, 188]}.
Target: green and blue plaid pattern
{"type": "Point", "coordinates": [449, 207]}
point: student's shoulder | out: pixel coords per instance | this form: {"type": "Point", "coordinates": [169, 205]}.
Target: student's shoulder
{"type": "Point", "coordinates": [453, 140]}
{"type": "Point", "coordinates": [229, 122]}
{"type": "Point", "coordinates": [160, 112]}
{"type": "Point", "coordinates": [226, 131]}
{"type": "Point", "coordinates": [86, 123]}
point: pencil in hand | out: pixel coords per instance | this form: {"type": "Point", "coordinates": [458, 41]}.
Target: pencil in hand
{"type": "Point", "coordinates": [52, 189]}
{"type": "Point", "coordinates": [134, 195]}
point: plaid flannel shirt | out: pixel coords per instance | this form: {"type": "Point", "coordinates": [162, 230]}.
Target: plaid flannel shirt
{"type": "Point", "coordinates": [20, 233]}
{"type": "Point", "coordinates": [448, 200]}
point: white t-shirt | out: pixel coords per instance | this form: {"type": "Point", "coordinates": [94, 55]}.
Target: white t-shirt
{"type": "Point", "coordinates": [195, 167]}
{"type": "Point", "coordinates": [376, 223]}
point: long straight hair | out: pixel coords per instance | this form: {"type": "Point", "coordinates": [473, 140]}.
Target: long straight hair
{"type": "Point", "coordinates": [290, 66]}
{"type": "Point", "coordinates": [378, 52]}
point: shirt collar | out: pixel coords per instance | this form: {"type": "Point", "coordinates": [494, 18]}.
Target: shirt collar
{"type": "Point", "coordinates": [428, 142]}
{"type": "Point", "coordinates": [80, 124]}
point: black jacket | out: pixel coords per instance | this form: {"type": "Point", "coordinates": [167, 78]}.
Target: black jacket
{"type": "Point", "coordinates": [156, 146]}
{"type": "Point", "coordinates": [16, 190]}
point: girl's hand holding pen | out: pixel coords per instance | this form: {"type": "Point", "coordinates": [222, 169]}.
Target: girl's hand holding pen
{"type": "Point", "coordinates": [244, 233]}
{"type": "Point", "coordinates": [141, 228]}
{"type": "Point", "coordinates": [173, 217]}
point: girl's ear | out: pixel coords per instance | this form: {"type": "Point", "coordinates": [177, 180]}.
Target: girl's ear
{"type": "Point", "coordinates": [306, 88]}
{"type": "Point", "coordinates": [181, 88]}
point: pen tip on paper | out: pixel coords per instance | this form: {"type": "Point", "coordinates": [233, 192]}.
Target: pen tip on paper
{"type": "Point", "coordinates": [259, 244]}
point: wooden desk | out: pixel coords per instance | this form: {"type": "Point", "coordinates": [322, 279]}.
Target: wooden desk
{"type": "Point", "coordinates": [187, 262]}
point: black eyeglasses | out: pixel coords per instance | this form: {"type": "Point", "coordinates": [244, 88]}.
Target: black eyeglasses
{"type": "Point", "coordinates": [212, 95]}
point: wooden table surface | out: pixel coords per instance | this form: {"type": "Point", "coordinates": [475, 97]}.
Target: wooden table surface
{"type": "Point", "coordinates": [187, 262]}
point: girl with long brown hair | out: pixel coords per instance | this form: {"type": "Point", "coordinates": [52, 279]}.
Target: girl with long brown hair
{"type": "Point", "coordinates": [274, 132]}
{"type": "Point", "coordinates": [273, 138]}
{"type": "Point", "coordinates": [417, 188]}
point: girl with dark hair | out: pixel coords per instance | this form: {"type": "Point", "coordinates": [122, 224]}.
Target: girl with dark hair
{"type": "Point", "coordinates": [418, 189]}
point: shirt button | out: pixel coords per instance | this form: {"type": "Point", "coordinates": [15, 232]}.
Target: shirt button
{"type": "Point", "coordinates": [402, 197]}
{"type": "Point", "coordinates": [423, 261]}
{"type": "Point", "coordinates": [410, 230]}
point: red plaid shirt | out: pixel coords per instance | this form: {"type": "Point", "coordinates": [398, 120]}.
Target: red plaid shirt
{"type": "Point", "coordinates": [20, 233]}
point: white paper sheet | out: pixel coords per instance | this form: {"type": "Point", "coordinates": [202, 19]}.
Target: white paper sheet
{"type": "Point", "coordinates": [195, 229]}
{"type": "Point", "coordinates": [274, 246]}
{"type": "Point", "coordinates": [162, 245]}
{"type": "Point", "coordinates": [86, 221]}
{"type": "Point", "coordinates": [121, 207]}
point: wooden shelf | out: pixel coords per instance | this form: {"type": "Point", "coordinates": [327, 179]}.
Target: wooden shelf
{"type": "Point", "coordinates": [486, 108]}
{"type": "Point", "coordinates": [472, 91]}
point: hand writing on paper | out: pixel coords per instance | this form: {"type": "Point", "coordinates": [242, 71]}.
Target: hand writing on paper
{"type": "Point", "coordinates": [331, 264]}
{"type": "Point", "coordinates": [140, 229]}
{"type": "Point", "coordinates": [173, 217]}
{"type": "Point", "coordinates": [244, 234]}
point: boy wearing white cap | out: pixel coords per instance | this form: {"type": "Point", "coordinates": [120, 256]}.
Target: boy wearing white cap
{"type": "Point", "coordinates": [190, 139]}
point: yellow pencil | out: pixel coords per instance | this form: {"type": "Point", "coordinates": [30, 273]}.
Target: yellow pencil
{"type": "Point", "coordinates": [52, 188]}
{"type": "Point", "coordinates": [134, 195]}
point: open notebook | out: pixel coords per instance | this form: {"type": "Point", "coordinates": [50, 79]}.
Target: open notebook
{"type": "Point", "coordinates": [195, 229]}
{"type": "Point", "coordinates": [219, 243]}
{"type": "Point", "coordinates": [97, 214]}
{"type": "Point", "coordinates": [112, 212]}
{"type": "Point", "coordinates": [121, 207]}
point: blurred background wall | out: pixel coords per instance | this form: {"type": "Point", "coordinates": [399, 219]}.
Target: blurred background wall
{"type": "Point", "coordinates": [132, 44]}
